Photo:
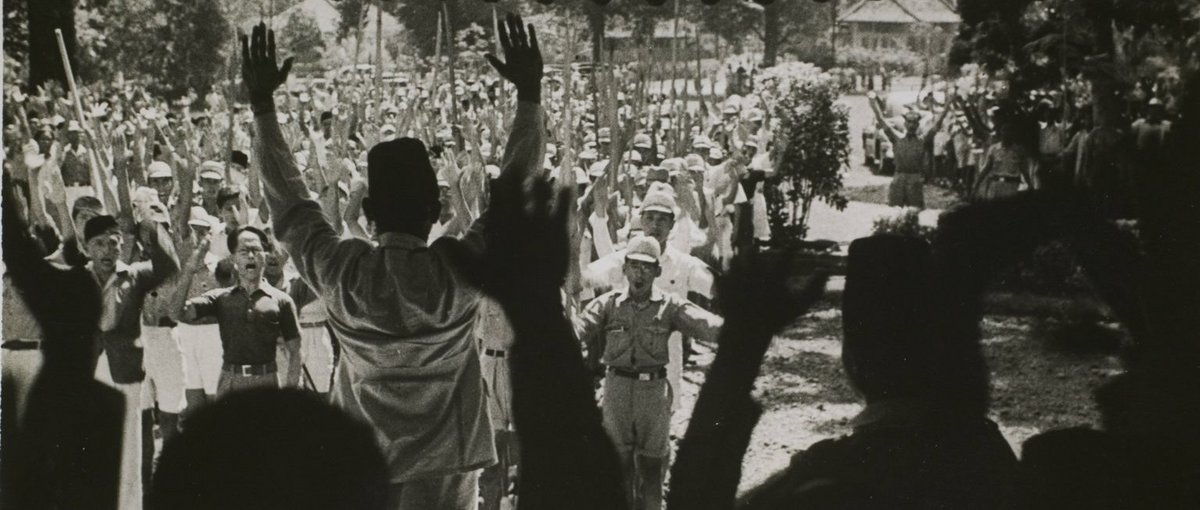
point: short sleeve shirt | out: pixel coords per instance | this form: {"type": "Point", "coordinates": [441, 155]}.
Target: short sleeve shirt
{"type": "Point", "coordinates": [634, 335]}
{"type": "Point", "coordinates": [250, 324]}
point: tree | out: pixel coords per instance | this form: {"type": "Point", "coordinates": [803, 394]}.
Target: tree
{"type": "Point", "coordinates": [16, 40]}
{"type": "Point", "coordinates": [814, 144]}
{"type": "Point", "coordinates": [796, 26]}
{"type": "Point", "coordinates": [1042, 43]}
{"type": "Point", "coordinates": [352, 17]}
{"type": "Point", "coordinates": [420, 19]}
{"type": "Point", "coordinates": [196, 37]}
{"type": "Point", "coordinates": [45, 63]}
{"type": "Point", "coordinates": [301, 36]}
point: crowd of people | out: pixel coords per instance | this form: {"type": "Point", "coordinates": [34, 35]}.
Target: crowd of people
{"type": "Point", "coordinates": [984, 148]}
{"type": "Point", "coordinates": [518, 297]}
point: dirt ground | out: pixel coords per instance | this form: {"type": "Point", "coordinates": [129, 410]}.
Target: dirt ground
{"type": "Point", "coordinates": [1043, 376]}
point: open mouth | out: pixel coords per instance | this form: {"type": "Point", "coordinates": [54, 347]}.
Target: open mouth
{"type": "Point", "coordinates": [251, 267]}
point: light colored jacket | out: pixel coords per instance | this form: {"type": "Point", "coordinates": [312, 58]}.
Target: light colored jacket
{"type": "Point", "coordinates": [403, 314]}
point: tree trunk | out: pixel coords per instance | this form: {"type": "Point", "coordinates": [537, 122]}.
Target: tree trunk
{"type": "Point", "coordinates": [45, 64]}
{"type": "Point", "coordinates": [771, 32]}
{"type": "Point", "coordinates": [596, 21]}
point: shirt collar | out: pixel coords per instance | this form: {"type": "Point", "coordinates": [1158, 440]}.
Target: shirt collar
{"type": "Point", "coordinates": [897, 412]}
{"type": "Point", "coordinates": [400, 240]}
{"type": "Point", "coordinates": [263, 288]}
{"type": "Point", "coordinates": [121, 272]}
{"type": "Point", "coordinates": [656, 295]}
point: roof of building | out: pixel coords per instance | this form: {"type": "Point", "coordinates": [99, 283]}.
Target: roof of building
{"type": "Point", "coordinates": [900, 11]}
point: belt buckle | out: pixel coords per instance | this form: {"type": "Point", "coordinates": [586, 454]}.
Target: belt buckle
{"type": "Point", "coordinates": [645, 376]}
{"type": "Point", "coordinates": [245, 369]}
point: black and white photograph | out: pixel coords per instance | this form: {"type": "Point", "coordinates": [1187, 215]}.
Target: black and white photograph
{"type": "Point", "coordinates": [600, 254]}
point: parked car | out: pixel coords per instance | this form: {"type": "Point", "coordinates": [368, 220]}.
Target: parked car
{"type": "Point", "coordinates": [868, 145]}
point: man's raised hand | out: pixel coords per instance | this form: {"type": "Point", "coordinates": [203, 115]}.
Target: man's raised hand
{"type": "Point", "coordinates": [522, 58]}
{"type": "Point", "coordinates": [259, 69]}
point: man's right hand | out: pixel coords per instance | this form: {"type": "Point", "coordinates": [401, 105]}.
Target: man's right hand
{"type": "Point", "coordinates": [259, 69]}
{"type": "Point", "coordinates": [522, 58]}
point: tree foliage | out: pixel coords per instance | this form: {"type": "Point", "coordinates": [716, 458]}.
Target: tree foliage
{"type": "Point", "coordinates": [301, 37]}
{"type": "Point", "coordinates": [420, 19]}
{"type": "Point", "coordinates": [814, 140]}
{"type": "Point", "coordinates": [16, 40]}
{"type": "Point", "coordinates": [172, 46]}
{"type": "Point", "coordinates": [352, 17]}
{"type": "Point", "coordinates": [45, 62]}
{"type": "Point", "coordinates": [1034, 41]}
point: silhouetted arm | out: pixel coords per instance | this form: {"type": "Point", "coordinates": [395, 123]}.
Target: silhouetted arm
{"type": "Point", "coordinates": [758, 303]}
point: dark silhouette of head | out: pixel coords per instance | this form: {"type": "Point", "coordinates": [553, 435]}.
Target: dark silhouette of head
{"type": "Point", "coordinates": [895, 342]}
{"type": "Point", "coordinates": [269, 448]}
{"type": "Point", "coordinates": [402, 194]}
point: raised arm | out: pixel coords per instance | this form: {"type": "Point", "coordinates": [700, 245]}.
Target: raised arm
{"type": "Point", "coordinates": [523, 67]}
{"type": "Point", "coordinates": [937, 124]}
{"type": "Point", "coordinates": [873, 100]}
{"type": "Point", "coordinates": [163, 261]}
{"type": "Point", "coordinates": [283, 185]}
{"type": "Point", "coordinates": [760, 301]}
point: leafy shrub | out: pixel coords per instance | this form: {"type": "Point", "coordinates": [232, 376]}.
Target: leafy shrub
{"type": "Point", "coordinates": [812, 146]}
{"type": "Point", "coordinates": [907, 223]}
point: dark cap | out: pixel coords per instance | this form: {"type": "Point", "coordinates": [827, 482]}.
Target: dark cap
{"type": "Point", "coordinates": [98, 226]}
{"type": "Point", "coordinates": [886, 317]}
{"type": "Point", "coordinates": [226, 194]}
{"type": "Point", "coordinates": [399, 172]}
{"type": "Point", "coordinates": [240, 158]}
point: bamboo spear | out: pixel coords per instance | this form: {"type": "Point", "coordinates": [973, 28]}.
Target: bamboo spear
{"type": "Point", "coordinates": [93, 166]}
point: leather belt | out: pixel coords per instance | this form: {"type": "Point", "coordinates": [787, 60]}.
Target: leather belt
{"type": "Point", "coordinates": [648, 374]}
{"type": "Point", "coordinates": [20, 345]}
{"type": "Point", "coordinates": [1007, 178]}
{"type": "Point", "coordinates": [495, 353]}
{"type": "Point", "coordinates": [314, 324]}
{"type": "Point", "coordinates": [248, 370]}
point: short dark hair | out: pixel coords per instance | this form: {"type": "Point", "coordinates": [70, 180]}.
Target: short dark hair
{"type": "Point", "coordinates": [98, 226]}
{"type": "Point", "coordinates": [231, 241]}
{"type": "Point", "coordinates": [86, 202]}
{"type": "Point", "coordinates": [226, 194]}
{"type": "Point", "coordinates": [240, 158]}
{"type": "Point", "coordinates": [246, 451]}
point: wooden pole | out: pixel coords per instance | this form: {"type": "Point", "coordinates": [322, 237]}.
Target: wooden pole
{"type": "Point", "coordinates": [62, 50]}
{"type": "Point", "coordinates": [232, 122]}
{"type": "Point", "coordinates": [674, 53]}
{"type": "Point", "coordinates": [699, 70]}
{"type": "Point", "coordinates": [437, 58]}
{"type": "Point", "coordinates": [496, 34]}
{"type": "Point", "coordinates": [379, 48]}
{"type": "Point", "coordinates": [98, 181]}
{"type": "Point", "coordinates": [450, 48]}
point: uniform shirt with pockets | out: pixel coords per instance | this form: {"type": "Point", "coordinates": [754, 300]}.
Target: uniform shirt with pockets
{"type": "Point", "coordinates": [250, 323]}
{"type": "Point", "coordinates": [633, 334]}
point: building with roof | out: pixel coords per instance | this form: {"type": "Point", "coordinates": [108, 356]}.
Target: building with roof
{"type": "Point", "coordinates": [923, 26]}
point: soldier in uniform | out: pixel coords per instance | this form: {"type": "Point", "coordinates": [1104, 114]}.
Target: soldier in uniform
{"type": "Point", "coordinates": [495, 337]}
{"type": "Point", "coordinates": [627, 331]}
